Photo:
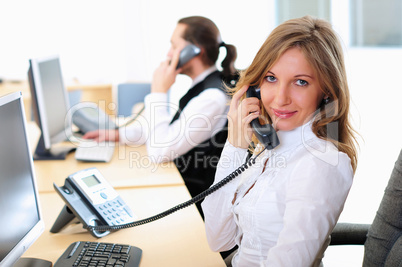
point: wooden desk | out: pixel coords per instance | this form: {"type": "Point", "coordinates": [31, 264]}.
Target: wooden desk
{"type": "Point", "coordinates": [176, 240]}
{"type": "Point", "coordinates": [130, 167]}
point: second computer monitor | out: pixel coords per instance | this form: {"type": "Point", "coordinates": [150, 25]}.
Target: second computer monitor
{"type": "Point", "coordinates": [50, 106]}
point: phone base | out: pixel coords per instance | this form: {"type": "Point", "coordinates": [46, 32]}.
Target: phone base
{"type": "Point", "coordinates": [64, 218]}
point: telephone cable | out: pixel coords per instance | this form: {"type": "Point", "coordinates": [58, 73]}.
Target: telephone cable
{"type": "Point", "coordinates": [183, 205]}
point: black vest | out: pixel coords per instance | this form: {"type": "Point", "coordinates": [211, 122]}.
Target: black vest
{"type": "Point", "coordinates": [198, 166]}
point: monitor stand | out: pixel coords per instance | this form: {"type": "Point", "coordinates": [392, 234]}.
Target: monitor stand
{"type": "Point", "coordinates": [57, 153]}
{"type": "Point", "coordinates": [32, 262]}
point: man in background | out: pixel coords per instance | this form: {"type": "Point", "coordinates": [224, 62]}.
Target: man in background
{"type": "Point", "coordinates": [194, 136]}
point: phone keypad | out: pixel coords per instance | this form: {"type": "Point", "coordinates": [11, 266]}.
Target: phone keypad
{"type": "Point", "coordinates": [115, 212]}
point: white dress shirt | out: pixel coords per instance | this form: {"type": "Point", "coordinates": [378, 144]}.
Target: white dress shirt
{"type": "Point", "coordinates": [202, 118]}
{"type": "Point", "coordinates": [285, 219]}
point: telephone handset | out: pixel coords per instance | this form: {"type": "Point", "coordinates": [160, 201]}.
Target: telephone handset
{"type": "Point", "coordinates": [93, 201]}
{"type": "Point", "coordinates": [266, 134]}
{"type": "Point", "coordinates": [188, 53]}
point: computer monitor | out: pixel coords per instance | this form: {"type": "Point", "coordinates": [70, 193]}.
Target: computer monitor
{"type": "Point", "coordinates": [21, 220]}
{"type": "Point", "coordinates": [50, 106]}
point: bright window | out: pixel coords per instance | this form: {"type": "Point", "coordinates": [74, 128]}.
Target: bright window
{"type": "Point", "coordinates": [376, 23]}
{"type": "Point", "coordinates": [288, 9]}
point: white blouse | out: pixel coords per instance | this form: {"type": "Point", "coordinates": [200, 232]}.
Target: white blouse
{"type": "Point", "coordinates": [203, 117]}
{"type": "Point", "coordinates": [286, 218]}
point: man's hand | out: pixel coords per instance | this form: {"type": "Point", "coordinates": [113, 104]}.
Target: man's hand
{"type": "Point", "coordinates": [165, 75]}
{"type": "Point", "coordinates": [102, 135]}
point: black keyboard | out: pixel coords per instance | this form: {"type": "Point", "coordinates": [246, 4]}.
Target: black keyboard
{"type": "Point", "coordinates": [99, 254]}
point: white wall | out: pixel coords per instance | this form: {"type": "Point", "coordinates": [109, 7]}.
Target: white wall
{"type": "Point", "coordinates": [151, 22]}
{"type": "Point", "coordinates": [241, 23]}
{"type": "Point", "coordinates": [101, 41]}
{"type": "Point", "coordinates": [374, 76]}
{"type": "Point", "coordinates": [86, 34]}
{"type": "Point", "coordinates": [113, 41]}
{"type": "Point", "coordinates": [104, 41]}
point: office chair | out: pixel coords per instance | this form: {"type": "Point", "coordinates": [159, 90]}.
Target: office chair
{"type": "Point", "coordinates": [129, 94]}
{"type": "Point", "coordinates": [382, 239]}
{"type": "Point", "coordinates": [74, 97]}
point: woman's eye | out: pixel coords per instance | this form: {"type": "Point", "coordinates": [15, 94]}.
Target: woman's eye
{"type": "Point", "coordinates": [270, 79]}
{"type": "Point", "coordinates": [301, 82]}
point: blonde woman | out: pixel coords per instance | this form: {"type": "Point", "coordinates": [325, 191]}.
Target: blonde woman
{"type": "Point", "coordinates": [281, 210]}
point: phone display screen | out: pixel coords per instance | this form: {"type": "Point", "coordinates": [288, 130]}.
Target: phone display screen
{"type": "Point", "coordinates": [91, 180]}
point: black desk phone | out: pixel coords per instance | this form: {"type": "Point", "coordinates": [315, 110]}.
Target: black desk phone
{"type": "Point", "coordinates": [93, 201]}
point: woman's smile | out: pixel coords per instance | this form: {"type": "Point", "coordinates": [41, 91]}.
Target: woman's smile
{"type": "Point", "coordinates": [283, 114]}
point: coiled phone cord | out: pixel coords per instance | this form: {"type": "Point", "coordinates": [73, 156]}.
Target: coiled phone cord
{"type": "Point", "coordinates": [183, 205]}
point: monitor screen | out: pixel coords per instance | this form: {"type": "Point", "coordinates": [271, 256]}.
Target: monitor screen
{"type": "Point", "coordinates": [50, 106]}
{"type": "Point", "coordinates": [21, 222]}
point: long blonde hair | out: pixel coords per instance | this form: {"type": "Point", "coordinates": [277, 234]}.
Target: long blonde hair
{"type": "Point", "coordinates": [322, 49]}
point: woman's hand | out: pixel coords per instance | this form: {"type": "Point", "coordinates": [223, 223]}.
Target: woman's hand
{"type": "Point", "coordinates": [102, 135]}
{"type": "Point", "coordinates": [240, 114]}
{"type": "Point", "coordinates": [165, 75]}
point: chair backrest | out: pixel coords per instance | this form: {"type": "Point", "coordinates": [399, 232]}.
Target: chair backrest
{"type": "Point", "coordinates": [74, 97]}
{"type": "Point", "coordinates": [383, 246]}
{"type": "Point", "coordinates": [129, 94]}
